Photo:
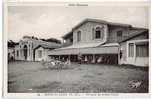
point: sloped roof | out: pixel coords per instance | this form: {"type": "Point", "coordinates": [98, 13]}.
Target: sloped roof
{"type": "Point", "coordinates": [97, 21]}
{"type": "Point", "coordinates": [48, 46]}
{"type": "Point", "coordinates": [88, 45]}
{"type": "Point", "coordinates": [110, 44]}
{"type": "Point", "coordinates": [135, 32]}
{"type": "Point", "coordinates": [100, 21]}
{"type": "Point", "coordinates": [67, 35]}
{"type": "Point", "coordinates": [93, 49]}
{"type": "Point", "coordinates": [81, 45]}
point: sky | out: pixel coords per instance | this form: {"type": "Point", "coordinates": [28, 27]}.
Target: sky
{"type": "Point", "coordinates": [55, 21]}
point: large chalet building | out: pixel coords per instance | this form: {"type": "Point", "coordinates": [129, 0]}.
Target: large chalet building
{"type": "Point", "coordinates": [99, 41]}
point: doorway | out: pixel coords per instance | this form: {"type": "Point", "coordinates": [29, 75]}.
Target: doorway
{"type": "Point", "coordinates": [25, 52]}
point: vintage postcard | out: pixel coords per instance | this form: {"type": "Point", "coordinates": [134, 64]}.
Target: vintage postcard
{"type": "Point", "coordinates": [76, 49]}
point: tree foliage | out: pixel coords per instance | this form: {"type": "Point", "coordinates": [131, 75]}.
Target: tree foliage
{"type": "Point", "coordinates": [52, 40]}
{"type": "Point", "coordinates": [11, 43]}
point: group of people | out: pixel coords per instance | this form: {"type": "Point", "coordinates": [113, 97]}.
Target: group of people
{"type": "Point", "coordinates": [55, 63]}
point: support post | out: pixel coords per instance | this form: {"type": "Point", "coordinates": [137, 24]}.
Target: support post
{"type": "Point", "coordinates": [93, 55]}
{"type": "Point", "coordinates": [134, 50]}
{"type": "Point", "coordinates": [69, 57]}
{"type": "Point", "coordinates": [59, 57]}
{"type": "Point", "coordinates": [69, 61]}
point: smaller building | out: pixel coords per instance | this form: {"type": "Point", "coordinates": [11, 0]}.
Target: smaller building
{"type": "Point", "coordinates": [25, 50]}
{"type": "Point", "coordinates": [134, 49]}
{"type": "Point", "coordinates": [41, 52]}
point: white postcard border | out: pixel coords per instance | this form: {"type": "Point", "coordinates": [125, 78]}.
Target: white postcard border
{"type": "Point", "coordinates": [5, 73]}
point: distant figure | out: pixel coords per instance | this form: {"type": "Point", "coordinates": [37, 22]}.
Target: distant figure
{"type": "Point", "coordinates": [85, 59]}
{"type": "Point", "coordinates": [63, 59]}
{"type": "Point", "coordinates": [99, 60]}
{"type": "Point", "coordinates": [79, 58]}
{"type": "Point", "coordinates": [68, 62]}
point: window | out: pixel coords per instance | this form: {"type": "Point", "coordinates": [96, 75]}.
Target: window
{"type": "Point", "coordinates": [79, 36]}
{"type": "Point", "coordinates": [142, 50]}
{"type": "Point", "coordinates": [119, 33]}
{"type": "Point", "coordinates": [93, 31]}
{"type": "Point", "coordinates": [40, 53]}
{"type": "Point", "coordinates": [98, 33]}
{"type": "Point", "coordinates": [131, 49]}
{"type": "Point", "coordinates": [17, 53]}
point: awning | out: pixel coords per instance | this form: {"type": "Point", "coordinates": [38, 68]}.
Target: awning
{"type": "Point", "coordinates": [81, 45]}
{"type": "Point", "coordinates": [85, 50]}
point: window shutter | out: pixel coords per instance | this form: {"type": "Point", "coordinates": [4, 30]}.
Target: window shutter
{"type": "Point", "coordinates": [131, 49]}
{"type": "Point", "coordinates": [93, 33]}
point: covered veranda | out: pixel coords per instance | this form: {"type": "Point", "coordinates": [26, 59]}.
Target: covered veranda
{"type": "Point", "coordinates": [103, 54]}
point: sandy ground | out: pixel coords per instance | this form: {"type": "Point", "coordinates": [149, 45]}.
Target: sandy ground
{"type": "Point", "coordinates": [32, 77]}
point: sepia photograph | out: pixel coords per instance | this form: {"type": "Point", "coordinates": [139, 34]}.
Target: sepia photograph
{"type": "Point", "coordinates": [77, 48]}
